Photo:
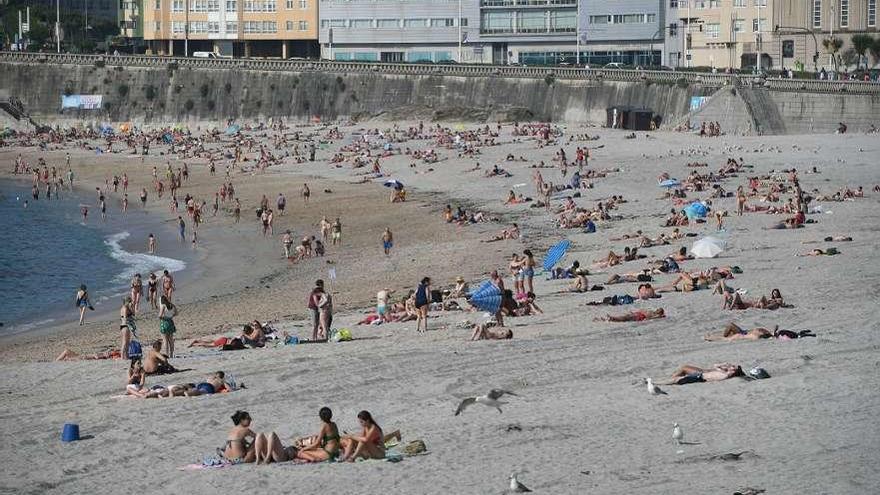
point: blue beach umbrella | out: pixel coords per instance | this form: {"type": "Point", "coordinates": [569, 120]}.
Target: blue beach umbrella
{"type": "Point", "coordinates": [232, 129]}
{"type": "Point", "coordinates": [555, 253]}
{"type": "Point", "coordinates": [696, 210]}
{"type": "Point", "coordinates": [669, 183]}
{"type": "Point", "coordinates": [486, 297]}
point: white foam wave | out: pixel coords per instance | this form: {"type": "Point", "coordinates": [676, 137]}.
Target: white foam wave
{"type": "Point", "coordinates": [142, 263]}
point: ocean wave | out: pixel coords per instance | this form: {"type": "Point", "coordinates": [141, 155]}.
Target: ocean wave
{"type": "Point", "coordinates": [142, 263]}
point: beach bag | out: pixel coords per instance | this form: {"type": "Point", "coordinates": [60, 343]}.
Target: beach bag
{"type": "Point", "coordinates": [342, 335]}
{"type": "Point", "coordinates": [134, 350]}
{"type": "Point", "coordinates": [415, 447]}
{"type": "Point", "coordinates": [625, 299]}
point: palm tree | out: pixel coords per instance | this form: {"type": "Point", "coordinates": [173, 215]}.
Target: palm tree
{"type": "Point", "coordinates": [832, 46]}
{"type": "Point", "coordinates": [861, 43]}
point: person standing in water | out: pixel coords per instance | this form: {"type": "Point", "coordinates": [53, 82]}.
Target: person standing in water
{"type": "Point", "coordinates": [387, 241]}
{"type": "Point", "coordinates": [167, 284]}
{"type": "Point", "coordinates": [83, 302]}
{"type": "Point", "coordinates": [103, 210]}
{"type": "Point", "coordinates": [69, 174]}
{"type": "Point", "coordinates": [151, 243]}
{"type": "Point", "coordinates": [153, 291]}
{"type": "Point", "coordinates": [144, 197]}
{"type": "Point", "coordinates": [124, 203]}
{"type": "Point", "coordinates": [84, 211]}
{"type": "Point", "coordinates": [181, 228]}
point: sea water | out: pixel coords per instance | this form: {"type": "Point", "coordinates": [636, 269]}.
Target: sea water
{"type": "Point", "coordinates": [47, 252]}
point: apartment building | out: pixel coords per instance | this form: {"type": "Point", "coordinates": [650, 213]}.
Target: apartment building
{"type": "Point", "coordinates": [248, 28]}
{"type": "Point", "coordinates": [400, 30]}
{"type": "Point", "coordinates": [804, 24]}
{"type": "Point", "coordinates": [720, 33]}
{"type": "Point", "coordinates": [131, 21]}
{"type": "Point", "coordinates": [629, 32]}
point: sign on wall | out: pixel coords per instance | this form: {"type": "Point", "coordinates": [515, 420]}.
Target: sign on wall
{"type": "Point", "coordinates": [697, 102]}
{"type": "Point", "coordinates": [84, 102]}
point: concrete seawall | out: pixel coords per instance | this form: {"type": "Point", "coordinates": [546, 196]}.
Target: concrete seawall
{"type": "Point", "coordinates": [160, 95]}
{"type": "Point", "coordinates": [161, 91]}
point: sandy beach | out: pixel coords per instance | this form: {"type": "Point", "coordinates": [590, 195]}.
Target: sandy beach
{"type": "Point", "coordinates": [583, 421]}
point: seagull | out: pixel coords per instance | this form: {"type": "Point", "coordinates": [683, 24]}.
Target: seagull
{"type": "Point", "coordinates": [516, 486]}
{"type": "Point", "coordinates": [654, 389]}
{"type": "Point", "coordinates": [677, 435]}
{"type": "Point", "coordinates": [488, 400]}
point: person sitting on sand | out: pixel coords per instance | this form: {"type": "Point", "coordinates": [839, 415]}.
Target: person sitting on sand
{"type": "Point", "coordinates": [509, 233]}
{"type": "Point", "coordinates": [527, 306]}
{"type": "Point", "coordinates": [369, 444]}
{"type": "Point", "coordinates": [156, 363]}
{"type": "Point", "coordinates": [490, 331]}
{"type": "Point", "coordinates": [240, 440]}
{"type": "Point", "coordinates": [775, 301]}
{"type": "Point", "coordinates": [611, 259]}
{"type": "Point", "coordinates": [268, 449]}
{"type": "Point", "coordinates": [136, 379]}
{"type": "Point", "coordinates": [637, 315]}
{"type": "Point", "coordinates": [580, 284]}
{"type": "Point", "coordinates": [693, 374]}
{"type": "Point", "coordinates": [327, 446]}
{"type": "Point", "coordinates": [460, 289]}
{"type": "Point", "coordinates": [252, 334]}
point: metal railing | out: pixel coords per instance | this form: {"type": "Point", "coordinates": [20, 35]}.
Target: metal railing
{"type": "Point", "coordinates": [562, 73]}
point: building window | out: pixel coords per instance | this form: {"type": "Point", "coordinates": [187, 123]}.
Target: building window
{"type": "Point", "coordinates": [712, 30]}
{"type": "Point", "coordinates": [231, 6]}
{"type": "Point", "coordinates": [496, 22]}
{"type": "Point", "coordinates": [757, 24]}
{"type": "Point", "coordinates": [673, 4]}
{"type": "Point", "coordinates": [673, 30]}
{"type": "Point", "coordinates": [303, 25]}
{"type": "Point", "coordinates": [760, 3]}
{"type": "Point", "coordinates": [714, 4]}
{"type": "Point", "coordinates": [231, 27]}
{"type": "Point", "coordinates": [290, 25]}
{"type": "Point", "coordinates": [600, 19]}
{"type": "Point", "coordinates": [259, 27]}
{"type": "Point", "coordinates": [289, 4]}
{"type": "Point", "coordinates": [563, 21]}
{"type": "Point", "coordinates": [158, 4]}
{"type": "Point", "coordinates": [214, 27]}
{"type": "Point", "coordinates": [415, 23]}
{"type": "Point", "coordinates": [738, 25]}
{"type": "Point", "coordinates": [700, 4]}
{"type": "Point", "coordinates": [361, 24]}
{"type": "Point", "coordinates": [463, 21]}
{"type": "Point", "coordinates": [872, 13]}
{"type": "Point", "coordinates": [844, 13]}
{"type": "Point", "coordinates": [259, 6]}
{"type": "Point", "coordinates": [531, 21]}
{"type": "Point", "coordinates": [739, 3]}
{"type": "Point", "coordinates": [387, 23]}
{"type": "Point", "coordinates": [448, 22]}
{"type": "Point", "coordinates": [817, 13]}
{"type": "Point", "coordinates": [177, 6]}
{"type": "Point", "coordinates": [176, 27]}
{"type": "Point", "coordinates": [303, 4]}
{"type": "Point", "coordinates": [157, 26]}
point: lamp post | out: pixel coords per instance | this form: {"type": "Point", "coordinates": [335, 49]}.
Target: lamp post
{"type": "Point", "coordinates": [58, 26]}
{"type": "Point", "coordinates": [758, 36]}
{"type": "Point", "coordinates": [459, 31]}
{"type": "Point", "coordinates": [577, 34]}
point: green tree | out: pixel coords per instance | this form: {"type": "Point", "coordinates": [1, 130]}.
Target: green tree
{"type": "Point", "coordinates": [875, 50]}
{"type": "Point", "coordinates": [39, 33]}
{"type": "Point", "coordinates": [861, 44]}
{"type": "Point", "coordinates": [832, 46]}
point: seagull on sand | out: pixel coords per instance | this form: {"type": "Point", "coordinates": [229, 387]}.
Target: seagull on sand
{"type": "Point", "coordinates": [516, 486]}
{"type": "Point", "coordinates": [654, 389]}
{"type": "Point", "coordinates": [488, 400]}
{"type": "Point", "coordinates": [677, 435]}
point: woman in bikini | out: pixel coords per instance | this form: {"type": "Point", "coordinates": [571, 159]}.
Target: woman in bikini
{"type": "Point", "coordinates": [528, 270]}
{"type": "Point", "coordinates": [82, 302]}
{"type": "Point", "coordinates": [137, 289]}
{"type": "Point", "coordinates": [136, 379]}
{"type": "Point", "coordinates": [126, 325]}
{"type": "Point", "coordinates": [733, 332]}
{"type": "Point", "coordinates": [237, 445]}
{"type": "Point", "coordinates": [369, 444]}
{"type": "Point", "coordinates": [153, 291]}
{"type": "Point", "coordinates": [326, 446]}
{"type": "Point", "coordinates": [167, 312]}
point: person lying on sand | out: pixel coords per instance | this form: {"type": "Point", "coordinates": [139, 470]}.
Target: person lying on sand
{"type": "Point", "coordinates": [775, 301]}
{"type": "Point", "coordinates": [489, 331]}
{"type": "Point", "coordinates": [733, 332]}
{"type": "Point", "coordinates": [624, 278]}
{"type": "Point", "coordinates": [686, 283]}
{"type": "Point", "coordinates": [819, 252]}
{"type": "Point", "coordinates": [637, 315]}
{"type": "Point", "coordinates": [68, 355]}
{"type": "Point", "coordinates": [693, 374]}
{"type": "Point", "coordinates": [509, 233]}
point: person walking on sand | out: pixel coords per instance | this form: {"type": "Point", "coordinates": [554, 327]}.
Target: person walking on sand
{"type": "Point", "coordinates": [83, 302]}
{"type": "Point", "coordinates": [126, 325]}
{"type": "Point", "coordinates": [167, 312]}
{"type": "Point", "coordinates": [167, 284]}
{"type": "Point", "coordinates": [281, 204]}
{"type": "Point", "coordinates": [387, 241]}
{"type": "Point", "coordinates": [326, 227]}
{"type": "Point", "coordinates": [336, 231]}
{"type": "Point", "coordinates": [287, 242]}
{"type": "Point", "coordinates": [423, 300]}
{"type": "Point", "coordinates": [151, 243]}
{"type": "Point", "coordinates": [325, 315]}
{"type": "Point", "coordinates": [181, 228]}
{"type": "Point", "coordinates": [137, 289]}
{"type": "Point", "coordinates": [306, 193]}
{"type": "Point", "coordinates": [314, 297]}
